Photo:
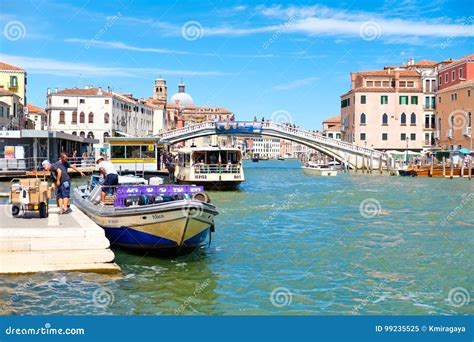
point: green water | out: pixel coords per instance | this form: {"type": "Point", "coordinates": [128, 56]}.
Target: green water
{"type": "Point", "coordinates": [287, 243]}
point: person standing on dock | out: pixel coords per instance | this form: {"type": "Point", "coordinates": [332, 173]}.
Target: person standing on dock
{"type": "Point", "coordinates": [107, 169]}
{"type": "Point", "coordinates": [62, 180]}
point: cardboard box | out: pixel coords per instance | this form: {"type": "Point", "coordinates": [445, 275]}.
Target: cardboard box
{"type": "Point", "coordinates": [30, 182]}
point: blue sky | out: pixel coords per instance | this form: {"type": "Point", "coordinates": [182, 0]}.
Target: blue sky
{"type": "Point", "coordinates": [253, 58]}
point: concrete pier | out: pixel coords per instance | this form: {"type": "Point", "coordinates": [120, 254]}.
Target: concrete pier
{"type": "Point", "coordinates": [70, 242]}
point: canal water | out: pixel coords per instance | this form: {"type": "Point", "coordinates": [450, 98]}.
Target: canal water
{"type": "Point", "coordinates": [287, 243]}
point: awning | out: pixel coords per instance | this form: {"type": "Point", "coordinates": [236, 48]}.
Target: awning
{"type": "Point", "coordinates": [464, 151]}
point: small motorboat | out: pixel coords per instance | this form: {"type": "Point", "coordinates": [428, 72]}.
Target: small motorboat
{"type": "Point", "coordinates": [281, 158]}
{"type": "Point", "coordinates": [313, 169]}
{"type": "Point", "coordinates": [255, 158]}
{"type": "Point", "coordinates": [171, 218]}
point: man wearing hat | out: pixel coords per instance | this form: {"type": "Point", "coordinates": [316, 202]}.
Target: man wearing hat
{"type": "Point", "coordinates": [107, 169]}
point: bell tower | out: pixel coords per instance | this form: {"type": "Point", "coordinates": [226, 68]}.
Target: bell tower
{"type": "Point", "coordinates": [160, 90]}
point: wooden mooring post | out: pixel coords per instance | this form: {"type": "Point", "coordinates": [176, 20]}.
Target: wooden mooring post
{"type": "Point", "coordinates": [431, 166]}
{"type": "Point", "coordinates": [451, 168]}
{"type": "Point", "coordinates": [371, 163]}
{"type": "Point", "coordinates": [444, 166]}
{"type": "Point", "coordinates": [469, 172]}
{"type": "Point", "coordinates": [462, 166]}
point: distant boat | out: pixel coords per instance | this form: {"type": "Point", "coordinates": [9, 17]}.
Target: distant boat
{"type": "Point", "coordinates": [281, 158]}
{"type": "Point", "coordinates": [255, 158]}
{"type": "Point", "coordinates": [264, 158]}
{"type": "Point", "coordinates": [312, 169]}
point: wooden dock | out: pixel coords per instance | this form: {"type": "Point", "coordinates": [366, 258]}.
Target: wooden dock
{"type": "Point", "coordinates": [70, 242]}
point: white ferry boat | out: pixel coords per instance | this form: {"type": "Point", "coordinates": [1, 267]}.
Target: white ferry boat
{"type": "Point", "coordinates": [215, 168]}
{"type": "Point", "coordinates": [313, 169]}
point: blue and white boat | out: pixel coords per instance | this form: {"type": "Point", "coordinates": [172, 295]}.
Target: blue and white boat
{"type": "Point", "coordinates": [169, 218]}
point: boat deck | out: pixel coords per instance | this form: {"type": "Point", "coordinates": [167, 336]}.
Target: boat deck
{"type": "Point", "coordinates": [71, 242]}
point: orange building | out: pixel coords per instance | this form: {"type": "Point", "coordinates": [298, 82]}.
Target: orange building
{"type": "Point", "coordinates": [455, 104]}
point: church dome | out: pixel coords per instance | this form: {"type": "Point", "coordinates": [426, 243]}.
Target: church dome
{"type": "Point", "coordinates": [181, 98]}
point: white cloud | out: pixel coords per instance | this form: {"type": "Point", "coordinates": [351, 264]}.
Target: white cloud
{"type": "Point", "coordinates": [321, 20]}
{"type": "Point", "coordinates": [296, 84]}
{"type": "Point", "coordinates": [122, 46]}
{"type": "Point", "coordinates": [48, 66]}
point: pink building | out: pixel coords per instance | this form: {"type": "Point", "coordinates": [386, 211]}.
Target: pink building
{"type": "Point", "coordinates": [384, 109]}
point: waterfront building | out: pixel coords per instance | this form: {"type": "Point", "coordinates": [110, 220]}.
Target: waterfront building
{"type": "Point", "coordinates": [332, 127]}
{"type": "Point", "coordinates": [266, 146]}
{"type": "Point", "coordinates": [181, 111]}
{"type": "Point", "coordinates": [429, 72]}
{"type": "Point", "coordinates": [97, 113]}
{"type": "Point", "coordinates": [455, 104]}
{"type": "Point", "coordinates": [36, 117]}
{"type": "Point", "coordinates": [13, 79]}
{"type": "Point", "coordinates": [11, 110]}
{"type": "Point", "coordinates": [384, 109]}
{"type": "Point", "coordinates": [24, 150]}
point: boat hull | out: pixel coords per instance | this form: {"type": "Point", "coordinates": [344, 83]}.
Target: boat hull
{"type": "Point", "coordinates": [178, 226]}
{"type": "Point", "coordinates": [319, 172]}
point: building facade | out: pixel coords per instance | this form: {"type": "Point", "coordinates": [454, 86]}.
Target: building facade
{"type": "Point", "coordinates": [455, 104]}
{"type": "Point", "coordinates": [35, 116]}
{"type": "Point", "coordinates": [13, 79]}
{"type": "Point", "coordinates": [384, 109]}
{"type": "Point", "coordinates": [332, 127]}
{"type": "Point", "coordinates": [98, 114]}
{"type": "Point", "coordinates": [11, 110]}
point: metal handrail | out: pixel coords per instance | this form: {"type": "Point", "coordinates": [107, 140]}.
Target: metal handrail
{"type": "Point", "coordinates": [216, 168]}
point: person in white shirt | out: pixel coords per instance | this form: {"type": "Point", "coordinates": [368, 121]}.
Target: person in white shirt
{"type": "Point", "coordinates": [107, 169]}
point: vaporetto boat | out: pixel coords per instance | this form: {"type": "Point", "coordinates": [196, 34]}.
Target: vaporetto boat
{"type": "Point", "coordinates": [215, 168]}
{"type": "Point", "coordinates": [169, 218]}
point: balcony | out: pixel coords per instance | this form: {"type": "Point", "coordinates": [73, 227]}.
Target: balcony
{"type": "Point", "coordinates": [437, 134]}
{"type": "Point", "coordinates": [449, 133]}
{"type": "Point", "coordinates": [466, 131]}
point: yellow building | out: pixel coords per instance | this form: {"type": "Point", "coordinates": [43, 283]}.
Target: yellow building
{"type": "Point", "coordinates": [13, 79]}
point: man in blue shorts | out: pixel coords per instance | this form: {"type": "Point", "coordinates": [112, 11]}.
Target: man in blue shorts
{"type": "Point", "coordinates": [62, 181]}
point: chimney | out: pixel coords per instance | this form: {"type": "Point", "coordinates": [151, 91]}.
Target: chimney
{"type": "Point", "coordinates": [86, 87]}
{"type": "Point", "coordinates": [99, 91]}
{"type": "Point", "coordinates": [353, 79]}
{"type": "Point", "coordinates": [411, 61]}
{"type": "Point", "coordinates": [48, 91]}
{"type": "Point", "coordinates": [55, 90]}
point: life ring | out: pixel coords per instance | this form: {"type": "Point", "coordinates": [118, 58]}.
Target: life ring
{"type": "Point", "coordinates": [202, 196]}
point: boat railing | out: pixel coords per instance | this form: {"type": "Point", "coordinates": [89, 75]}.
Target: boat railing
{"type": "Point", "coordinates": [216, 168]}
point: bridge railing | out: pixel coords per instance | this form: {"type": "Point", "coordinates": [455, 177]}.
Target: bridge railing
{"type": "Point", "coordinates": [320, 138]}
{"type": "Point", "coordinates": [269, 125]}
